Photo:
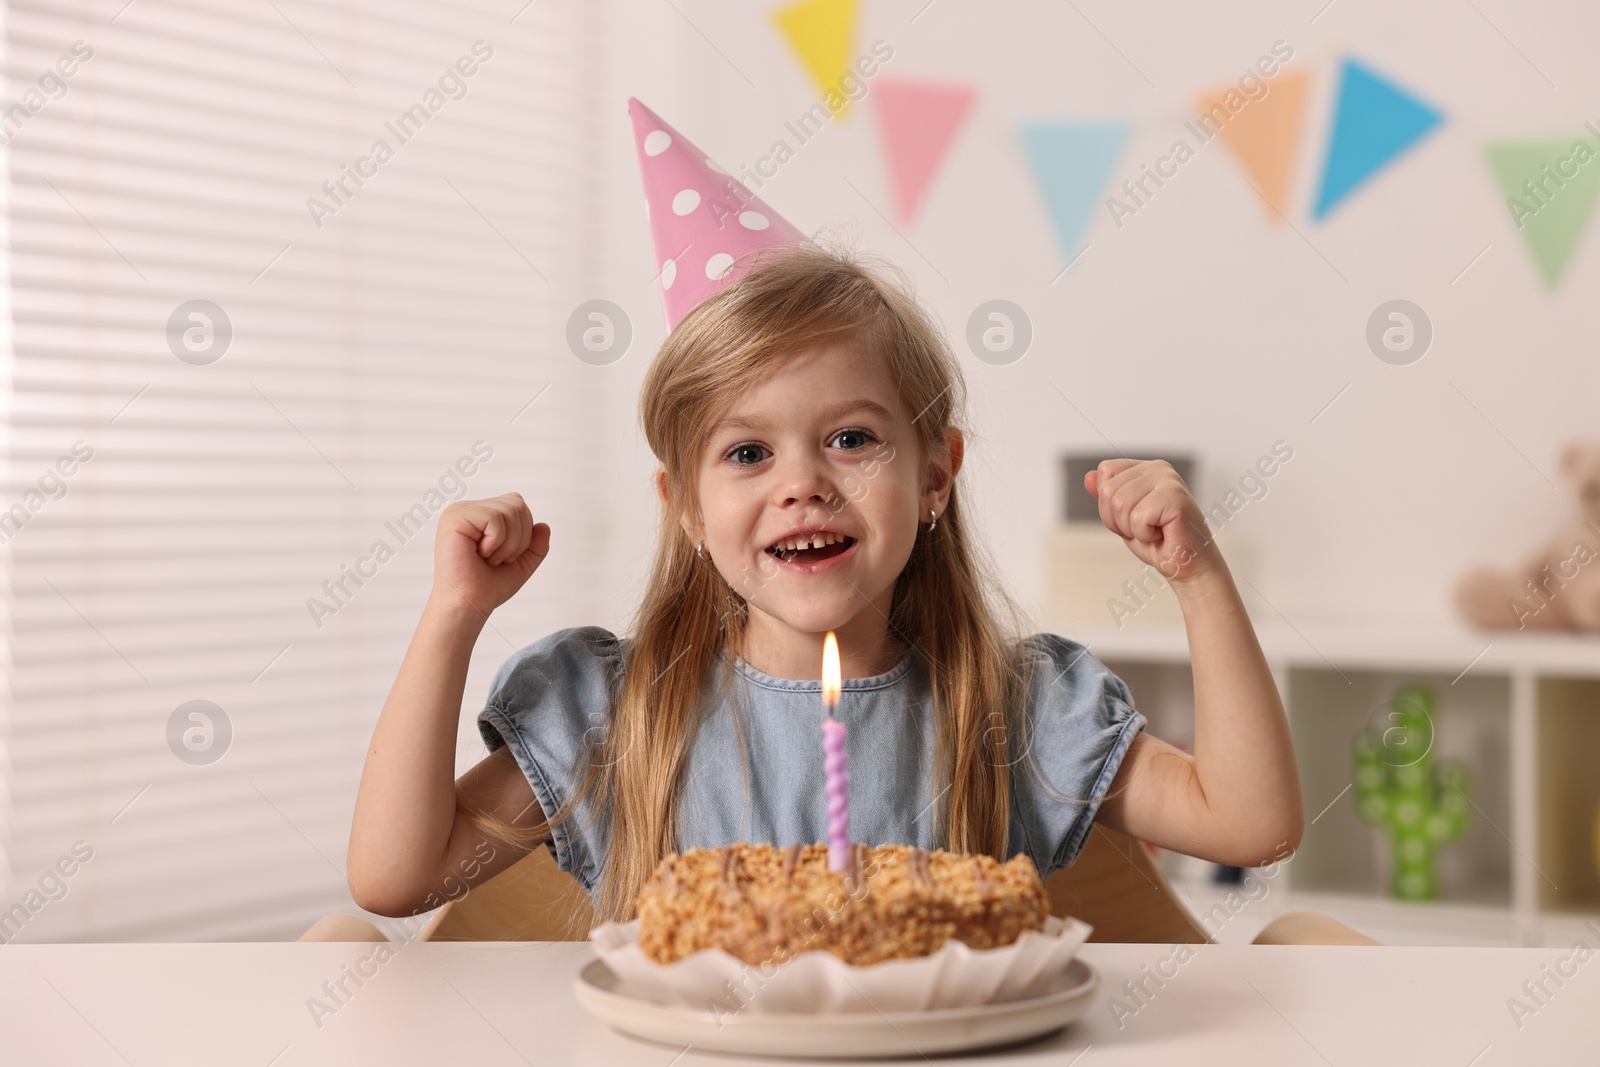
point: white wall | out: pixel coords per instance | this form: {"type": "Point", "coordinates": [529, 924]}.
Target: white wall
{"type": "Point", "coordinates": [1198, 326]}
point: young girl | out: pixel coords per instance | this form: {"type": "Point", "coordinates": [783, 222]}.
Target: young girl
{"type": "Point", "coordinates": [810, 401]}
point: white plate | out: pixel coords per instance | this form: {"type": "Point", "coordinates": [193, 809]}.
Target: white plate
{"type": "Point", "coordinates": [840, 1034]}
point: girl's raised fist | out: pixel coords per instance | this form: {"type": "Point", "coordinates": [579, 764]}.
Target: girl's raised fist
{"type": "Point", "coordinates": [1146, 503]}
{"type": "Point", "coordinates": [485, 550]}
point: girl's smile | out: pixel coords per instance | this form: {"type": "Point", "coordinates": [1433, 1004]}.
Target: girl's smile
{"type": "Point", "coordinates": [816, 554]}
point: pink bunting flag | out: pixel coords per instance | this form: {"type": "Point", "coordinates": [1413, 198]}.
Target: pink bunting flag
{"type": "Point", "coordinates": [917, 122]}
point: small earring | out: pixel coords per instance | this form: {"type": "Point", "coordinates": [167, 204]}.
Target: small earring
{"type": "Point", "coordinates": [935, 521]}
{"type": "Point", "coordinates": [698, 552]}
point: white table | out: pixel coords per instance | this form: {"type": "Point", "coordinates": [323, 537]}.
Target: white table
{"type": "Point", "coordinates": [508, 1003]}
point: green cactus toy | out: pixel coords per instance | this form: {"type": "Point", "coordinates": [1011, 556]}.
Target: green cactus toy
{"type": "Point", "coordinates": [1399, 787]}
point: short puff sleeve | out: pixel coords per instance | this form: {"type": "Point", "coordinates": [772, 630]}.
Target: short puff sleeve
{"type": "Point", "coordinates": [550, 704]}
{"type": "Point", "coordinates": [1080, 720]}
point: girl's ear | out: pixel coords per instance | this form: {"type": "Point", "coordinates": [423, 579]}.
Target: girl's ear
{"type": "Point", "coordinates": [957, 445]}
{"type": "Point", "coordinates": [948, 463]}
{"type": "Point", "coordinates": [685, 520]}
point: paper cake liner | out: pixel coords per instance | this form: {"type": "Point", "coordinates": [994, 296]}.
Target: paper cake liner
{"type": "Point", "coordinates": [817, 981]}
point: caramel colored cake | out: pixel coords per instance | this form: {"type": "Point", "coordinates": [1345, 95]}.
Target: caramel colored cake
{"type": "Point", "coordinates": [764, 903]}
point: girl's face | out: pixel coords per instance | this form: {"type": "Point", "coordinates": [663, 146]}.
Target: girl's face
{"type": "Point", "coordinates": [823, 443]}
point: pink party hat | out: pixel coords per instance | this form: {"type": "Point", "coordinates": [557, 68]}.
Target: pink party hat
{"type": "Point", "coordinates": [702, 218]}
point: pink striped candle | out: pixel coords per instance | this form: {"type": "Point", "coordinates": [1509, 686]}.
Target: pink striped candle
{"type": "Point", "coordinates": [840, 854]}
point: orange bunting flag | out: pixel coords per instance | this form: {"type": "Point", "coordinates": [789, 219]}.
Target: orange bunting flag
{"type": "Point", "coordinates": [1262, 130]}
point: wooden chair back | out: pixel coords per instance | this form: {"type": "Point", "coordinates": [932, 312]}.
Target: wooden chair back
{"type": "Point", "coordinates": [1114, 886]}
{"type": "Point", "coordinates": [531, 900]}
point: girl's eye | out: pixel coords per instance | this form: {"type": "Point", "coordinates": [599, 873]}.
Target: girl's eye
{"type": "Point", "coordinates": [733, 454]}
{"type": "Point", "coordinates": [866, 434]}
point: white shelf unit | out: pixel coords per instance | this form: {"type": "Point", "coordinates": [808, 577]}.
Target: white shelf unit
{"type": "Point", "coordinates": [1522, 710]}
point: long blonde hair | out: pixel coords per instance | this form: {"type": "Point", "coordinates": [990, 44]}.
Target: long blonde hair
{"type": "Point", "coordinates": [948, 601]}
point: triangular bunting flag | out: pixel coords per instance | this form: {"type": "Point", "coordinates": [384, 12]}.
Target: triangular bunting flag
{"type": "Point", "coordinates": [1071, 162]}
{"type": "Point", "coordinates": [1550, 188]}
{"type": "Point", "coordinates": [916, 122]}
{"type": "Point", "coordinates": [1264, 134]}
{"type": "Point", "coordinates": [1375, 122]}
{"type": "Point", "coordinates": [821, 32]}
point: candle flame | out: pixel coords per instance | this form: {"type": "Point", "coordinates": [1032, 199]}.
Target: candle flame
{"type": "Point", "coordinates": [830, 671]}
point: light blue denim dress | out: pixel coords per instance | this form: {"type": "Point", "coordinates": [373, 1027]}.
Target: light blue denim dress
{"type": "Point", "coordinates": [549, 702]}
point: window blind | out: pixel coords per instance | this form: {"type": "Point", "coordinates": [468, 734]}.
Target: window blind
{"type": "Point", "coordinates": [251, 355]}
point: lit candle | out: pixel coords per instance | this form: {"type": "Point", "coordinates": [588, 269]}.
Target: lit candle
{"type": "Point", "coordinates": [840, 854]}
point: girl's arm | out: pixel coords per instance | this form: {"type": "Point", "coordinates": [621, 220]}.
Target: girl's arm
{"type": "Point", "coordinates": [1236, 800]}
{"type": "Point", "coordinates": [411, 846]}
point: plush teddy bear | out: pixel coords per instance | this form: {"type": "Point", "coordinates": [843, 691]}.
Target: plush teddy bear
{"type": "Point", "coordinates": [1559, 587]}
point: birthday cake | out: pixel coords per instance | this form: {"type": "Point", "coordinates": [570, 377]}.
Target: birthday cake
{"type": "Point", "coordinates": [764, 903]}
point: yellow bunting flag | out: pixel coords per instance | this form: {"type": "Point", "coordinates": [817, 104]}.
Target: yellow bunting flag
{"type": "Point", "coordinates": [1260, 123]}
{"type": "Point", "coordinates": [821, 33]}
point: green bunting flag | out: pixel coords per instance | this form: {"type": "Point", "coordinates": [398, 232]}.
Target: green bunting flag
{"type": "Point", "coordinates": [1549, 186]}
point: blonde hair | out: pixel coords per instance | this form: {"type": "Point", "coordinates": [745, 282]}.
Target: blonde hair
{"type": "Point", "coordinates": [948, 601]}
